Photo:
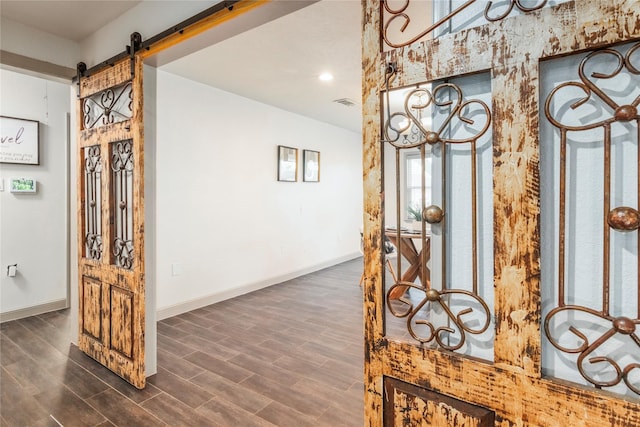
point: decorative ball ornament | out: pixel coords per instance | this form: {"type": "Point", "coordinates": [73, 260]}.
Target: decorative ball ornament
{"type": "Point", "coordinates": [624, 218]}
{"type": "Point", "coordinates": [624, 325]}
{"type": "Point", "coordinates": [432, 137]}
{"type": "Point", "coordinates": [433, 295]}
{"type": "Point", "coordinates": [625, 113]}
{"type": "Point", "coordinates": [432, 214]}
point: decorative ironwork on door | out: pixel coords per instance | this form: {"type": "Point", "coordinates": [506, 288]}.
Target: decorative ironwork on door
{"type": "Point", "coordinates": [108, 107]}
{"type": "Point", "coordinates": [603, 104]}
{"type": "Point", "coordinates": [463, 309]}
{"type": "Point", "coordinates": [123, 175]}
{"type": "Point", "coordinates": [93, 202]}
{"type": "Point", "coordinates": [113, 105]}
{"type": "Point", "coordinates": [397, 19]}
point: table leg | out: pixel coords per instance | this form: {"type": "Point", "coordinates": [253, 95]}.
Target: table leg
{"type": "Point", "coordinates": [409, 251]}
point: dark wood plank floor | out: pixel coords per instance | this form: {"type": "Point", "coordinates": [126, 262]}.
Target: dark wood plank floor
{"type": "Point", "coordinates": [287, 355]}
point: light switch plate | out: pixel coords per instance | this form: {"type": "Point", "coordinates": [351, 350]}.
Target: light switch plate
{"type": "Point", "coordinates": [176, 269]}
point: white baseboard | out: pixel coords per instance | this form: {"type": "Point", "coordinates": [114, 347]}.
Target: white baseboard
{"type": "Point", "coordinates": [174, 310]}
{"type": "Point", "coordinates": [34, 310]}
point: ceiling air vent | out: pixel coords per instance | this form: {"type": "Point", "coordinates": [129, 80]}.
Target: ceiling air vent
{"type": "Point", "coordinates": [345, 101]}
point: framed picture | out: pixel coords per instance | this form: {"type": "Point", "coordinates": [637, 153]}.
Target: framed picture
{"type": "Point", "coordinates": [311, 166]}
{"type": "Point", "coordinates": [19, 141]}
{"type": "Point", "coordinates": [22, 185]}
{"type": "Point", "coordinates": [287, 164]}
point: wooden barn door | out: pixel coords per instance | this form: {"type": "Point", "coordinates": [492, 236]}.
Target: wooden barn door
{"type": "Point", "coordinates": [111, 219]}
{"type": "Point", "coordinates": [501, 157]}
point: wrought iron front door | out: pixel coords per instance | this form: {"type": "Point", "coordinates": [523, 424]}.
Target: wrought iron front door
{"type": "Point", "coordinates": [501, 143]}
{"type": "Point", "coordinates": [111, 219]}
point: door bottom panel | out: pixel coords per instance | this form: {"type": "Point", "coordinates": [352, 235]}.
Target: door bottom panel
{"type": "Point", "coordinates": [409, 405]}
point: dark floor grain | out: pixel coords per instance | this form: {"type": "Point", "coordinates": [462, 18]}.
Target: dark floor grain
{"type": "Point", "coordinates": [288, 355]}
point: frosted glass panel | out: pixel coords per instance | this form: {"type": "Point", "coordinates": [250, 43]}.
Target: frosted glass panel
{"type": "Point", "coordinates": [590, 263]}
{"type": "Point", "coordinates": [481, 12]}
{"type": "Point", "coordinates": [409, 21]}
{"type": "Point", "coordinates": [460, 247]}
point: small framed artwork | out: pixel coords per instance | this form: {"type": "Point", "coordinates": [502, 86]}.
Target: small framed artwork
{"type": "Point", "coordinates": [22, 185]}
{"type": "Point", "coordinates": [19, 141]}
{"type": "Point", "coordinates": [311, 166]}
{"type": "Point", "coordinates": [287, 164]}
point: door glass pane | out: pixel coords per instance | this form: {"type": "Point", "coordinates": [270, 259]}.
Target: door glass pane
{"type": "Point", "coordinates": [409, 21]}
{"type": "Point", "coordinates": [122, 203]}
{"type": "Point", "coordinates": [589, 187]}
{"type": "Point", "coordinates": [110, 106]}
{"type": "Point", "coordinates": [423, 304]}
{"type": "Point", "coordinates": [478, 13]}
{"type": "Point", "coordinates": [92, 212]}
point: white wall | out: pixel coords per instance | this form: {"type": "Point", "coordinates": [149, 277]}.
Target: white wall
{"type": "Point", "coordinates": [30, 42]}
{"type": "Point", "coordinates": [147, 18]}
{"type": "Point", "coordinates": [290, 228]}
{"type": "Point", "coordinates": [224, 222]}
{"type": "Point", "coordinates": [150, 18]}
{"type": "Point", "coordinates": [33, 227]}
{"type": "Point", "coordinates": [106, 42]}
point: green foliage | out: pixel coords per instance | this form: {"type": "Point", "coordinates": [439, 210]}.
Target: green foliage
{"type": "Point", "coordinates": [415, 213]}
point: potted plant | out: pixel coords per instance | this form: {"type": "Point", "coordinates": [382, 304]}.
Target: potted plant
{"type": "Point", "coordinates": [415, 213]}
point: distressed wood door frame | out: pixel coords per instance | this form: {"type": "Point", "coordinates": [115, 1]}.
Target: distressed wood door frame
{"type": "Point", "coordinates": [120, 345]}
{"type": "Point", "coordinates": [510, 50]}
{"type": "Point", "coordinates": [112, 292]}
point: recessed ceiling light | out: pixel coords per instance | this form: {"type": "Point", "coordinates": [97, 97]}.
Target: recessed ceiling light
{"type": "Point", "coordinates": [325, 77]}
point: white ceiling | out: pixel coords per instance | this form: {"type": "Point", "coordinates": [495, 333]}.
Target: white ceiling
{"type": "Point", "coordinates": [277, 63]}
{"type": "Point", "coordinates": [70, 19]}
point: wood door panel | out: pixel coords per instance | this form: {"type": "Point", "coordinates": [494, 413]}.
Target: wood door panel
{"type": "Point", "coordinates": [409, 405]}
{"type": "Point", "coordinates": [92, 307]}
{"type": "Point", "coordinates": [483, 384]}
{"type": "Point", "coordinates": [116, 75]}
{"type": "Point", "coordinates": [116, 132]}
{"type": "Point", "coordinates": [121, 325]}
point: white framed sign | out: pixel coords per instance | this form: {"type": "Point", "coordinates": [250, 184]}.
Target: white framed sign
{"type": "Point", "coordinates": [20, 141]}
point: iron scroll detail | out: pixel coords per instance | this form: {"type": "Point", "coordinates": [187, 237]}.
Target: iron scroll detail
{"type": "Point", "coordinates": [442, 334]}
{"type": "Point", "coordinates": [441, 316]}
{"type": "Point", "coordinates": [420, 99]}
{"type": "Point", "coordinates": [110, 106]}
{"type": "Point", "coordinates": [401, 13]}
{"type": "Point", "coordinates": [594, 332]}
{"type": "Point", "coordinates": [620, 326]}
{"type": "Point", "coordinates": [621, 113]}
{"type": "Point", "coordinates": [122, 168]}
{"type": "Point", "coordinates": [92, 208]}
